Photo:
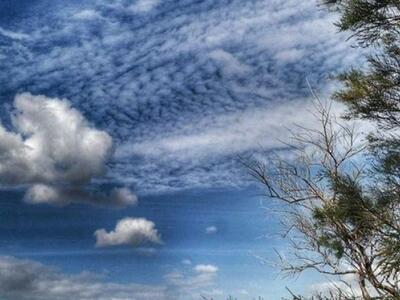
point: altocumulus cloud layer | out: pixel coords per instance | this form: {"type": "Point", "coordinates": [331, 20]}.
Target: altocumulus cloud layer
{"type": "Point", "coordinates": [166, 78]}
{"type": "Point", "coordinates": [51, 144]}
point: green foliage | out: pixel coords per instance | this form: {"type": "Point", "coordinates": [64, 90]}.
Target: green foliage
{"type": "Point", "coordinates": [375, 94]}
{"type": "Point", "coordinates": [368, 20]}
{"type": "Point", "coordinates": [352, 208]}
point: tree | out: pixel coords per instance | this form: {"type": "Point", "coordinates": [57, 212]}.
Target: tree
{"type": "Point", "coordinates": [343, 218]}
{"type": "Point", "coordinates": [374, 93]}
{"type": "Point", "coordinates": [334, 222]}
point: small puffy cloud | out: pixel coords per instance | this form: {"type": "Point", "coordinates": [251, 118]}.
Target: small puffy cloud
{"type": "Point", "coordinates": [124, 196]}
{"type": "Point", "coordinates": [211, 230]}
{"type": "Point", "coordinates": [206, 269]}
{"type": "Point", "coordinates": [41, 193]}
{"type": "Point", "coordinates": [142, 6]}
{"type": "Point", "coordinates": [129, 231]}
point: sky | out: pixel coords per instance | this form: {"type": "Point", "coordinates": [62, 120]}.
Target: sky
{"type": "Point", "coordinates": [122, 125]}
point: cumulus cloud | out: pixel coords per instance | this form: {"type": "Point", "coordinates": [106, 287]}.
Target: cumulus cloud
{"type": "Point", "coordinates": [211, 230]}
{"type": "Point", "coordinates": [129, 231]}
{"type": "Point", "coordinates": [51, 142]}
{"type": "Point", "coordinates": [53, 148]}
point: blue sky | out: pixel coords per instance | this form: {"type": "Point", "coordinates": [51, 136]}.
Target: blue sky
{"type": "Point", "coordinates": [121, 126]}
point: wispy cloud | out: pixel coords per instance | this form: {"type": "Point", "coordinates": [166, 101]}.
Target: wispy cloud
{"type": "Point", "coordinates": [13, 35]}
{"type": "Point", "coordinates": [206, 150]}
{"type": "Point", "coordinates": [229, 133]}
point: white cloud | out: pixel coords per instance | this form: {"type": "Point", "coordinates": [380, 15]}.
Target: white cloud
{"type": "Point", "coordinates": [87, 14]}
{"type": "Point", "coordinates": [144, 5]}
{"type": "Point", "coordinates": [227, 134]}
{"type": "Point", "coordinates": [211, 230]}
{"type": "Point", "coordinates": [129, 231]}
{"type": "Point", "coordinates": [51, 142]}
{"type": "Point", "coordinates": [41, 193]}
{"type": "Point", "coordinates": [204, 149]}
{"type": "Point", "coordinates": [53, 148]}
{"type": "Point", "coordinates": [124, 196]}
{"type": "Point", "coordinates": [187, 262]}
{"type": "Point", "coordinates": [231, 65]}
{"type": "Point", "coordinates": [13, 35]}
{"type": "Point", "coordinates": [289, 55]}
{"type": "Point", "coordinates": [206, 269]}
